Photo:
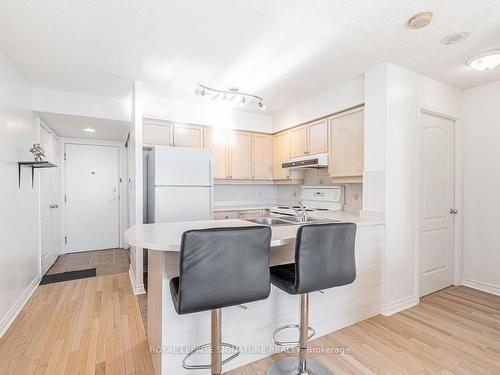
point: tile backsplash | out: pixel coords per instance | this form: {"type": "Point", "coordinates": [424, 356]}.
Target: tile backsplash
{"type": "Point", "coordinates": [263, 194]}
{"type": "Point", "coordinates": [237, 194]}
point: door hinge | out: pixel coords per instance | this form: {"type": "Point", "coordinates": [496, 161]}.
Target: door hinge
{"type": "Point", "coordinates": [64, 156]}
{"type": "Point", "coordinates": [65, 198]}
{"type": "Point", "coordinates": [65, 240]}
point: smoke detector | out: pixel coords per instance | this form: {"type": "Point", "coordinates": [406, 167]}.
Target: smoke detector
{"type": "Point", "coordinates": [420, 20]}
{"type": "Point", "coordinates": [454, 38]}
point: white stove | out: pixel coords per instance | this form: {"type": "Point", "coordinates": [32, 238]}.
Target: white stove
{"type": "Point", "coordinates": [315, 199]}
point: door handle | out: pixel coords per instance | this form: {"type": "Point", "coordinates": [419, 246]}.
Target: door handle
{"type": "Point", "coordinates": [453, 211]}
{"type": "Point", "coordinates": [53, 206]}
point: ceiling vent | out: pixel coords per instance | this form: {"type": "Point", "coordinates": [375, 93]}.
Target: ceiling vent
{"type": "Point", "coordinates": [454, 38]}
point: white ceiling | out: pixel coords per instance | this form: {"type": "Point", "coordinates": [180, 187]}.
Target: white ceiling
{"type": "Point", "coordinates": [283, 50]}
{"type": "Point", "coordinates": [72, 127]}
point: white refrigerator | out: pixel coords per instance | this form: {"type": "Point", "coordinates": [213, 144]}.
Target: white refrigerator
{"type": "Point", "coordinates": [180, 184]}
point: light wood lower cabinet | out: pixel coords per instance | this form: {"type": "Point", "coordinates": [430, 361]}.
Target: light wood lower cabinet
{"type": "Point", "coordinates": [188, 136]}
{"type": "Point", "coordinates": [226, 215]}
{"type": "Point", "coordinates": [242, 215]}
{"type": "Point", "coordinates": [346, 153]}
{"type": "Point", "coordinates": [261, 156]}
{"type": "Point", "coordinates": [157, 133]}
{"type": "Point", "coordinates": [240, 155]}
{"type": "Point", "coordinates": [250, 214]}
{"type": "Point", "coordinates": [281, 153]}
{"type": "Point", "coordinates": [215, 140]}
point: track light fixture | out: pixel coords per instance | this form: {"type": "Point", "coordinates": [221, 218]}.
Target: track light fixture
{"type": "Point", "coordinates": [229, 95]}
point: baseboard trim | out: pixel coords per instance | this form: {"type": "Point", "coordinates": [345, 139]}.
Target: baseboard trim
{"type": "Point", "coordinates": [399, 305]}
{"type": "Point", "coordinates": [136, 288]}
{"type": "Point", "coordinates": [14, 311]}
{"type": "Point", "coordinates": [483, 287]}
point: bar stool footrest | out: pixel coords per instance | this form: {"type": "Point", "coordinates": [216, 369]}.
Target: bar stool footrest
{"type": "Point", "coordinates": [312, 332]}
{"type": "Point", "coordinates": [204, 346]}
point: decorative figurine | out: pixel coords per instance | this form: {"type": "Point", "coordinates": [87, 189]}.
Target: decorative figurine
{"type": "Point", "coordinates": [37, 152]}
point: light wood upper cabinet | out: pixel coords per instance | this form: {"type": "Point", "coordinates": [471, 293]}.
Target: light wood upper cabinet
{"type": "Point", "coordinates": [309, 139]}
{"type": "Point", "coordinates": [317, 135]}
{"type": "Point", "coordinates": [261, 156]}
{"type": "Point", "coordinates": [298, 141]}
{"type": "Point", "coordinates": [346, 153]}
{"type": "Point", "coordinates": [240, 158]}
{"type": "Point", "coordinates": [188, 136]}
{"type": "Point", "coordinates": [215, 140]}
{"type": "Point", "coordinates": [157, 133]}
{"type": "Point", "coordinates": [281, 153]}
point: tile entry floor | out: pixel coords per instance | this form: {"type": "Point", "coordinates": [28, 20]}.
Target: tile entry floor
{"type": "Point", "coordinates": [106, 262]}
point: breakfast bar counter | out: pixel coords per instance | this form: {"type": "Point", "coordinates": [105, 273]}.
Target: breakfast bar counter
{"type": "Point", "coordinates": [171, 336]}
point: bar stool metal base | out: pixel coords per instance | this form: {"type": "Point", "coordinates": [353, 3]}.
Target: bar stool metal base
{"type": "Point", "coordinates": [290, 366]}
{"type": "Point", "coordinates": [208, 366]}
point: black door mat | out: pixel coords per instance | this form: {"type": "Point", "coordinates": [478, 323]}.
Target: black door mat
{"type": "Point", "coordinates": [67, 276]}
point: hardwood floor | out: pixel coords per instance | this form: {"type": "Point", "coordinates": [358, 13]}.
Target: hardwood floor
{"type": "Point", "coordinates": [94, 326]}
{"type": "Point", "coordinates": [82, 326]}
{"type": "Point", "coordinates": [454, 331]}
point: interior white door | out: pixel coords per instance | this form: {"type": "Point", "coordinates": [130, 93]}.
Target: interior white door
{"type": "Point", "coordinates": [50, 216]}
{"type": "Point", "coordinates": [92, 197]}
{"type": "Point", "coordinates": [438, 164]}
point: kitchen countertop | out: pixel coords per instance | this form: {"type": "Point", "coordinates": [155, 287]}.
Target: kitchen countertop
{"type": "Point", "coordinates": [167, 236]}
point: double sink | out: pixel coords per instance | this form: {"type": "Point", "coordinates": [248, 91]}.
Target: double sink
{"type": "Point", "coordinates": [286, 220]}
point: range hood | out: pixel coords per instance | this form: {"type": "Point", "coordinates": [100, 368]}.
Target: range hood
{"type": "Point", "coordinates": [309, 161]}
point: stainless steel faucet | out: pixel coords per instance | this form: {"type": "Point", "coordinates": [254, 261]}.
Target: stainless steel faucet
{"type": "Point", "coordinates": [302, 214]}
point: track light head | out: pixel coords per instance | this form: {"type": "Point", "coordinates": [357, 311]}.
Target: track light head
{"type": "Point", "coordinates": [262, 105]}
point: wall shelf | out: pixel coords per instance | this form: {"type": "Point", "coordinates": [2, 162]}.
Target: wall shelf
{"type": "Point", "coordinates": [33, 165]}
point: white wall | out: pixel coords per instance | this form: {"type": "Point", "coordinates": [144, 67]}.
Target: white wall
{"type": "Point", "coordinates": [210, 114]}
{"type": "Point", "coordinates": [394, 99]}
{"type": "Point", "coordinates": [19, 214]}
{"type": "Point", "coordinates": [481, 214]}
{"type": "Point", "coordinates": [135, 185]}
{"type": "Point", "coordinates": [69, 103]}
{"type": "Point", "coordinates": [347, 95]}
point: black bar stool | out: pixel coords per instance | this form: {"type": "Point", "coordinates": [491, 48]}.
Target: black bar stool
{"type": "Point", "coordinates": [220, 267]}
{"type": "Point", "coordinates": [324, 258]}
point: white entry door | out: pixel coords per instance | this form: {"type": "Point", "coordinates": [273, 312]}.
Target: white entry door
{"type": "Point", "coordinates": [50, 197]}
{"type": "Point", "coordinates": [92, 197]}
{"type": "Point", "coordinates": [438, 203]}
